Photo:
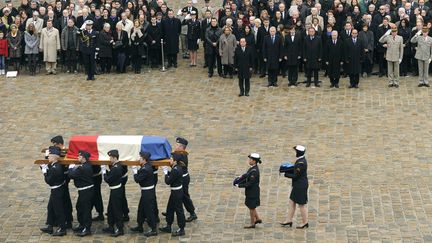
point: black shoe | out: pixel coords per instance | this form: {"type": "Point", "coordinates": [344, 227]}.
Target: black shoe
{"type": "Point", "coordinates": [269, 85]}
{"type": "Point", "coordinates": [286, 224]}
{"type": "Point", "coordinates": [126, 218]}
{"type": "Point", "coordinates": [240, 95]}
{"type": "Point", "coordinates": [164, 214]}
{"type": "Point", "coordinates": [193, 216]}
{"type": "Point", "coordinates": [396, 85]}
{"type": "Point", "coordinates": [117, 233]}
{"type": "Point", "coordinates": [420, 85]}
{"type": "Point", "coordinates": [137, 228]}
{"type": "Point", "coordinates": [60, 232]}
{"type": "Point", "coordinates": [249, 227]}
{"type": "Point", "coordinates": [308, 85]}
{"type": "Point", "coordinates": [220, 75]}
{"type": "Point", "coordinates": [351, 86]}
{"type": "Point", "coordinates": [109, 230]}
{"type": "Point", "coordinates": [303, 227]}
{"type": "Point", "coordinates": [230, 76]}
{"type": "Point", "coordinates": [247, 94]}
{"type": "Point", "coordinates": [179, 232]}
{"type": "Point", "coordinates": [210, 75]}
{"type": "Point", "coordinates": [380, 75]}
{"type": "Point", "coordinates": [166, 229]}
{"type": "Point", "coordinates": [48, 229]}
{"type": "Point", "coordinates": [175, 65]}
{"type": "Point", "coordinates": [224, 76]}
{"type": "Point", "coordinates": [390, 85]}
{"type": "Point", "coordinates": [259, 221]}
{"type": "Point", "coordinates": [332, 85]}
{"type": "Point", "coordinates": [100, 217]}
{"type": "Point", "coordinates": [317, 85]}
{"type": "Point", "coordinates": [262, 76]}
{"type": "Point", "coordinates": [84, 232]}
{"type": "Point", "coordinates": [336, 86]}
{"type": "Point", "coordinates": [205, 66]}
{"type": "Point", "coordinates": [150, 233]}
{"type": "Point", "coordinates": [78, 228]}
{"type": "Point", "coordinates": [275, 85]}
{"type": "Point", "coordinates": [426, 85]}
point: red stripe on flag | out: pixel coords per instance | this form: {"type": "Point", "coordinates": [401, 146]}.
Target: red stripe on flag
{"type": "Point", "coordinates": [87, 143]}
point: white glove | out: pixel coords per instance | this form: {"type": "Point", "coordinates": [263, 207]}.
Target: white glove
{"type": "Point", "coordinates": [429, 60]}
{"type": "Point", "coordinates": [103, 169]}
{"type": "Point", "coordinates": [419, 33]}
{"type": "Point", "coordinates": [188, 17]}
{"type": "Point", "coordinates": [400, 60]}
{"type": "Point", "coordinates": [388, 32]}
{"type": "Point", "coordinates": [135, 169]}
{"type": "Point", "coordinates": [236, 185]}
{"type": "Point", "coordinates": [179, 12]}
{"type": "Point", "coordinates": [71, 166]}
{"type": "Point", "coordinates": [165, 169]}
{"type": "Point", "coordinates": [46, 153]}
{"type": "Point", "coordinates": [44, 168]}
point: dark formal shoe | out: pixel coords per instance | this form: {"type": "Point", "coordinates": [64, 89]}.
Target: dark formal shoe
{"type": "Point", "coordinates": [108, 230]}
{"type": "Point", "coordinates": [193, 216]}
{"type": "Point", "coordinates": [137, 228]}
{"type": "Point", "coordinates": [286, 224]}
{"type": "Point", "coordinates": [166, 229]}
{"type": "Point", "coordinates": [78, 228]}
{"type": "Point", "coordinates": [175, 65]}
{"type": "Point", "coordinates": [100, 217]}
{"type": "Point", "coordinates": [205, 66]}
{"type": "Point", "coordinates": [249, 227]}
{"type": "Point", "coordinates": [259, 221]}
{"type": "Point", "coordinates": [117, 233]}
{"type": "Point", "coordinates": [303, 227]}
{"type": "Point", "coordinates": [396, 85]}
{"type": "Point", "coordinates": [420, 85]}
{"type": "Point", "coordinates": [84, 232]}
{"type": "Point", "coordinates": [269, 85]}
{"type": "Point", "coordinates": [224, 76]}
{"type": "Point", "coordinates": [351, 86]}
{"type": "Point", "coordinates": [332, 86]}
{"type": "Point", "coordinates": [150, 233]}
{"type": "Point", "coordinates": [308, 85]}
{"type": "Point", "coordinates": [68, 225]}
{"type": "Point", "coordinates": [241, 94]}
{"type": "Point", "coordinates": [356, 86]}
{"type": "Point", "coordinates": [210, 75]}
{"type": "Point", "coordinates": [262, 76]}
{"type": "Point", "coordinates": [380, 75]}
{"type": "Point", "coordinates": [126, 218]}
{"type": "Point", "coordinates": [426, 85]}
{"type": "Point", "coordinates": [179, 232]}
{"type": "Point", "coordinates": [48, 229]}
{"type": "Point", "coordinates": [336, 86]}
{"type": "Point", "coordinates": [275, 85]}
{"type": "Point", "coordinates": [317, 85]}
{"type": "Point", "coordinates": [391, 85]}
{"type": "Point", "coordinates": [247, 94]}
{"type": "Point", "coordinates": [164, 214]}
{"type": "Point", "coordinates": [59, 232]}
{"type": "Point", "coordinates": [230, 76]}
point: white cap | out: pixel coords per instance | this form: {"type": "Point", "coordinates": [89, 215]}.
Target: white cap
{"type": "Point", "coordinates": [254, 156]}
{"type": "Point", "coordinates": [88, 22]}
{"type": "Point", "coordinates": [300, 148]}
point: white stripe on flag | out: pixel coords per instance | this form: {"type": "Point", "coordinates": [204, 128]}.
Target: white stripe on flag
{"type": "Point", "coordinates": [128, 146]}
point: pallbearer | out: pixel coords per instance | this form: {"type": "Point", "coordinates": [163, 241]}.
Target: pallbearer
{"type": "Point", "coordinates": [114, 179]}
{"type": "Point", "coordinates": [174, 178]}
{"type": "Point", "coordinates": [55, 178]}
{"type": "Point", "coordinates": [82, 175]}
{"type": "Point", "coordinates": [252, 189]}
{"type": "Point", "coordinates": [124, 180]}
{"type": "Point", "coordinates": [146, 208]}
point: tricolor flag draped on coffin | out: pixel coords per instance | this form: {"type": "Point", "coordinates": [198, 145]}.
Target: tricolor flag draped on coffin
{"type": "Point", "coordinates": [128, 146]}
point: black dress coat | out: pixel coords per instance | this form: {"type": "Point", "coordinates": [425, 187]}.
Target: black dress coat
{"type": "Point", "coordinates": [171, 28]}
{"type": "Point", "coordinates": [154, 33]}
{"type": "Point", "coordinates": [334, 55]}
{"type": "Point", "coordinates": [243, 62]}
{"type": "Point", "coordinates": [137, 43]}
{"type": "Point", "coordinates": [252, 189]}
{"type": "Point", "coordinates": [293, 49]}
{"type": "Point", "coordinates": [312, 51]}
{"type": "Point", "coordinates": [300, 181]}
{"type": "Point", "coordinates": [354, 54]}
{"type": "Point", "coordinates": [272, 51]}
{"type": "Point", "coordinates": [105, 45]}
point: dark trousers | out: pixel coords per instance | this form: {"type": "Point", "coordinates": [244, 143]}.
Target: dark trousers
{"type": "Point", "coordinates": [124, 199]}
{"type": "Point", "coordinates": [105, 64]}
{"type": "Point", "coordinates": [187, 201]}
{"type": "Point", "coordinates": [89, 64]}
{"type": "Point", "coordinates": [84, 206]}
{"type": "Point", "coordinates": [155, 57]}
{"type": "Point", "coordinates": [262, 64]}
{"type": "Point", "coordinates": [272, 76]}
{"type": "Point", "coordinates": [115, 205]}
{"type": "Point", "coordinates": [292, 74]}
{"type": "Point", "coordinates": [32, 62]}
{"type": "Point", "coordinates": [405, 65]}
{"type": "Point", "coordinates": [67, 202]}
{"type": "Point", "coordinates": [175, 205]}
{"type": "Point", "coordinates": [71, 60]}
{"type": "Point", "coordinates": [97, 197]}
{"type": "Point", "coordinates": [244, 85]}
{"type": "Point", "coordinates": [146, 208]}
{"type": "Point", "coordinates": [309, 72]}
{"type": "Point", "coordinates": [382, 62]}
{"type": "Point", "coordinates": [213, 59]}
{"type": "Point", "coordinates": [172, 59]}
{"type": "Point", "coordinates": [156, 208]}
{"type": "Point", "coordinates": [367, 66]}
{"type": "Point", "coordinates": [227, 69]}
{"type": "Point", "coordinates": [136, 62]}
{"type": "Point", "coordinates": [334, 81]}
{"type": "Point", "coordinates": [121, 62]}
{"type": "Point", "coordinates": [56, 214]}
{"type": "Point", "coordinates": [354, 79]}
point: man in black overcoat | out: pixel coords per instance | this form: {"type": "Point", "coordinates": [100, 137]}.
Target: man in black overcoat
{"type": "Point", "coordinates": [243, 63]}
{"type": "Point", "coordinates": [354, 51]}
{"type": "Point", "coordinates": [333, 57]}
{"type": "Point", "coordinates": [293, 44]}
{"type": "Point", "coordinates": [312, 50]}
{"type": "Point", "coordinates": [272, 55]}
{"type": "Point", "coordinates": [171, 28]}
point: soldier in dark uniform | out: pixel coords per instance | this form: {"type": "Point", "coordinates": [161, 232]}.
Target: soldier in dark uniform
{"type": "Point", "coordinates": [193, 37]}
{"type": "Point", "coordinates": [114, 179]}
{"type": "Point", "coordinates": [124, 180]}
{"type": "Point", "coordinates": [97, 197]}
{"type": "Point", "coordinates": [174, 179]}
{"type": "Point", "coordinates": [83, 179]}
{"type": "Point", "coordinates": [58, 142]}
{"type": "Point", "coordinates": [146, 207]}
{"type": "Point", "coordinates": [299, 188]}
{"type": "Point", "coordinates": [55, 178]}
{"type": "Point", "coordinates": [252, 189]}
{"type": "Point", "coordinates": [87, 47]}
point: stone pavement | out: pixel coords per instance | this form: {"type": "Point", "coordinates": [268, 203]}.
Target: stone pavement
{"type": "Point", "coordinates": [368, 150]}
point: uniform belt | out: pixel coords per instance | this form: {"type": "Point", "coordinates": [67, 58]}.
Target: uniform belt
{"type": "Point", "coordinates": [184, 175]}
{"type": "Point", "coordinates": [125, 175]}
{"type": "Point", "coordinates": [155, 172]}
{"type": "Point", "coordinates": [100, 173]}
{"type": "Point", "coordinates": [84, 188]}
{"type": "Point", "coordinates": [176, 188]}
{"type": "Point", "coordinates": [147, 187]}
{"type": "Point", "coordinates": [55, 187]}
{"type": "Point", "coordinates": [115, 187]}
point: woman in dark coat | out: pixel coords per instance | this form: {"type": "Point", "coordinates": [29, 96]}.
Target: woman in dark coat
{"type": "Point", "coordinates": [404, 30]}
{"type": "Point", "coordinates": [368, 39]}
{"type": "Point", "coordinates": [14, 42]}
{"type": "Point", "coordinates": [299, 189]}
{"type": "Point", "coordinates": [121, 42]}
{"type": "Point", "coordinates": [138, 36]}
{"type": "Point", "coordinates": [105, 43]}
{"type": "Point", "coordinates": [250, 182]}
{"type": "Point", "coordinates": [193, 37]}
{"type": "Point", "coordinates": [154, 35]}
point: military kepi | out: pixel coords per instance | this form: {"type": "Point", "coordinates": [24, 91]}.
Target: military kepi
{"type": "Point", "coordinates": [256, 157]}
{"type": "Point", "coordinates": [84, 154]}
{"type": "Point", "coordinates": [182, 141]}
{"type": "Point", "coordinates": [145, 155]}
{"type": "Point", "coordinates": [57, 139]}
{"type": "Point", "coordinates": [113, 153]}
{"type": "Point", "coordinates": [54, 150]}
{"type": "Point", "coordinates": [88, 22]}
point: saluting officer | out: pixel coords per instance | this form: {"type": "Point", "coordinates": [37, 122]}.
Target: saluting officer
{"type": "Point", "coordinates": [146, 207]}
{"type": "Point", "coordinates": [114, 179]}
{"type": "Point", "coordinates": [55, 178]}
{"type": "Point", "coordinates": [174, 178]}
{"type": "Point", "coordinates": [88, 38]}
{"type": "Point", "coordinates": [58, 142]}
{"type": "Point", "coordinates": [83, 179]}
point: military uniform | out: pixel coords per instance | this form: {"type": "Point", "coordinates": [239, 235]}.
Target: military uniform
{"type": "Point", "coordinates": [252, 189]}
{"type": "Point", "coordinates": [299, 178]}
{"type": "Point", "coordinates": [88, 50]}
{"type": "Point", "coordinates": [423, 56]}
{"type": "Point", "coordinates": [124, 180]}
{"type": "Point", "coordinates": [97, 197]}
{"type": "Point", "coordinates": [83, 180]}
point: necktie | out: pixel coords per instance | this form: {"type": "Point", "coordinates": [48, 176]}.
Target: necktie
{"type": "Point", "coordinates": [273, 39]}
{"type": "Point", "coordinates": [311, 38]}
{"type": "Point", "coordinates": [292, 38]}
{"type": "Point", "coordinates": [243, 49]}
{"type": "Point", "coordinates": [334, 42]}
{"type": "Point", "coordinates": [354, 40]}
{"type": "Point", "coordinates": [283, 15]}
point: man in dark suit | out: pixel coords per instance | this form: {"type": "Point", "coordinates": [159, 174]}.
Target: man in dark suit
{"type": "Point", "coordinates": [312, 48]}
{"type": "Point", "coordinates": [333, 57]}
{"type": "Point", "coordinates": [205, 23]}
{"type": "Point", "coordinates": [81, 19]}
{"type": "Point", "coordinates": [380, 49]}
{"type": "Point", "coordinates": [171, 28]}
{"type": "Point", "coordinates": [263, 31]}
{"type": "Point", "coordinates": [292, 55]}
{"type": "Point", "coordinates": [189, 8]}
{"type": "Point", "coordinates": [243, 63]}
{"type": "Point", "coordinates": [272, 55]}
{"type": "Point", "coordinates": [354, 51]}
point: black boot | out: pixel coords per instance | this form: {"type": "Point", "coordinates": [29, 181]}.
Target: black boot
{"type": "Point", "coordinates": [137, 228]}
{"type": "Point", "coordinates": [117, 233]}
{"type": "Point", "coordinates": [60, 232]}
{"type": "Point", "coordinates": [192, 217]}
{"type": "Point", "coordinates": [48, 229]}
{"type": "Point", "coordinates": [78, 228]}
{"type": "Point", "coordinates": [152, 232]}
{"type": "Point", "coordinates": [166, 229]}
{"type": "Point", "coordinates": [179, 232]}
{"type": "Point", "coordinates": [84, 232]}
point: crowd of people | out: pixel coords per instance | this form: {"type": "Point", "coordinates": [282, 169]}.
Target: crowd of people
{"type": "Point", "coordinates": [279, 38]}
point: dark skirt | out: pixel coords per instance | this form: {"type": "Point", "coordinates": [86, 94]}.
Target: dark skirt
{"type": "Point", "coordinates": [299, 195]}
{"type": "Point", "coordinates": [192, 44]}
{"type": "Point", "coordinates": [252, 202]}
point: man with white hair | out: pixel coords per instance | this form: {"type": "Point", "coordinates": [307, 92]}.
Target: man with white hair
{"type": "Point", "coordinates": [36, 21]}
{"type": "Point", "coordinates": [314, 14]}
{"type": "Point", "coordinates": [85, 16]}
{"type": "Point", "coordinates": [127, 23]}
